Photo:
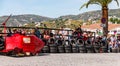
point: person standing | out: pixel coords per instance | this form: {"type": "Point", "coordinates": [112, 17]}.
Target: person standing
{"type": "Point", "coordinates": [79, 32]}
{"type": "Point", "coordinates": [37, 33]}
{"type": "Point", "coordinates": [79, 29]}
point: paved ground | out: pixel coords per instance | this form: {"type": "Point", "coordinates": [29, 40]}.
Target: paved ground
{"type": "Point", "coordinates": [100, 59]}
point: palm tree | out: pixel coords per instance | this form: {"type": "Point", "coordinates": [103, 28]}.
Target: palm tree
{"type": "Point", "coordinates": [104, 5]}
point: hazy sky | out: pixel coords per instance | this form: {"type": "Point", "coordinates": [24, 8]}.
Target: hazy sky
{"type": "Point", "coordinates": [49, 8]}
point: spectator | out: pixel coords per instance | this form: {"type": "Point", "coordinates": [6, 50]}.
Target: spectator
{"type": "Point", "coordinates": [64, 34]}
{"type": "Point", "coordinates": [80, 30]}
{"type": "Point", "coordinates": [113, 40]}
{"type": "Point", "coordinates": [37, 32]}
{"type": "Point", "coordinates": [15, 31]}
{"type": "Point", "coordinates": [51, 34]}
{"type": "Point", "coordinates": [9, 32]}
{"type": "Point", "coordinates": [61, 32]}
{"type": "Point", "coordinates": [46, 36]}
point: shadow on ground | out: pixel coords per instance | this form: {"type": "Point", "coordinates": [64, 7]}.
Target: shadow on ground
{"type": "Point", "coordinates": [44, 54]}
{"type": "Point", "coordinates": [40, 54]}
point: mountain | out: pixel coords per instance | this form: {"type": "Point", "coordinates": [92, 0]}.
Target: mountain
{"type": "Point", "coordinates": [92, 15]}
{"type": "Point", "coordinates": [16, 20]}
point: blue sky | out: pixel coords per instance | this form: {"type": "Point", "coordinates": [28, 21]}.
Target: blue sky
{"type": "Point", "coordinates": [49, 8]}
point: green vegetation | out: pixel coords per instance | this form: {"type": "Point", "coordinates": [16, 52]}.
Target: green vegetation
{"type": "Point", "coordinates": [114, 20]}
{"type": "Point", "coordinates": [66, 23]}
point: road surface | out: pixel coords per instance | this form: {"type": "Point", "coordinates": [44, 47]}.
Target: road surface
{"type": "Point", "coordinates": [64, 59]}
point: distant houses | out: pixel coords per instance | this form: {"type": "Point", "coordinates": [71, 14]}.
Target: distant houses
{"type": "Point", "coordinates": [113, 28]}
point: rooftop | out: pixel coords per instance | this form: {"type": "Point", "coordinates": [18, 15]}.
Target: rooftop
{"type": "Point", "coordinates": [97, 26]}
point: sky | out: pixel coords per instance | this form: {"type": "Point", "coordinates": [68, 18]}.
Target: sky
{"type": "Point", "coordinates": [48, 8]}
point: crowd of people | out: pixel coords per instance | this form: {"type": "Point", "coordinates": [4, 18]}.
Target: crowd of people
{"type": "Point", "coordinates": [53, 36]}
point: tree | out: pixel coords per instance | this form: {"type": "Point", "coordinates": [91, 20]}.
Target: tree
{"type": "Point", "coordinates": [119, 21]}
{"type": "Point", "coordinates": [60, 22]}
{"type": "Point", "coordinates": [112, 20]}
{"type": "Point", "coordinates": [104, 5]}
{"type": "Point", "coordinates": [116, 20]}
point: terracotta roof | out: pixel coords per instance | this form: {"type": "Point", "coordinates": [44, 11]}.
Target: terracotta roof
{"type": "Point", "coordinates": [97, 26]}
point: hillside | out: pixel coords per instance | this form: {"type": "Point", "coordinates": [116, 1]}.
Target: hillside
{"type": "Point", "coordinates": [16, 20]}
{"type": "Point", "coordinates": [92, 15]}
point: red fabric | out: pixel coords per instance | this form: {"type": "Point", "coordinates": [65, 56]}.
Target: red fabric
{"type": "Point", "coordinates": [85, 38]}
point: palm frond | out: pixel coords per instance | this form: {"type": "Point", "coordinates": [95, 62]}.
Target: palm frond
{"type": "Point", "coordinates": [83, 6]}
{"type": "Point", "coordinates": [109, 1]}
{"type": "Point", "coordinates": [117, 2]}
{"type": "Point", "coordinates": [88, 3]}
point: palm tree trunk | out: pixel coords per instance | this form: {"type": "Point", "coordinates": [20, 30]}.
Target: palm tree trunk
{"type": "Point", "coordinates": [105, 16]}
